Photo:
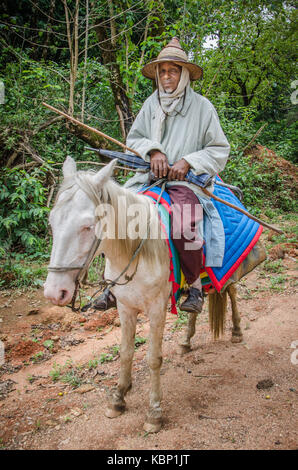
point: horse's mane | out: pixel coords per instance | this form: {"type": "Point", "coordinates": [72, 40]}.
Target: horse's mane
{"type": "Point", "coordinates": [153, 250]}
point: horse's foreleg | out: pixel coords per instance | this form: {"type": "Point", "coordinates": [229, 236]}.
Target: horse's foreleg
{"type": "Point", "coordinates": [154, 356]}
{"type": "Point", "coordinates": [236, 331]}
{"type": "Point", "coordinates": [117, 403]}
{"type": "Point", "coordinates": [190, 331]}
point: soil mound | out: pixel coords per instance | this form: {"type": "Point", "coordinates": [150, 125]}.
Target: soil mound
{"type": "Point", "coordinates": [259, 153]}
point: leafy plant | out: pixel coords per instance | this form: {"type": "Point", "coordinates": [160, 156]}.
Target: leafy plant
{"type": "Point", "coordinates": [139, 341]}
{"type": "Point", "coordinates": [49, 344]}
{"type": "Point", "coordinates": [71, 378]}
{"type": "Point", "coordinates": [38, 357]}
{"type": "Point", "coordinates": [55, 373]}
{"type": "Point", "coordinates": [182, 319]}
{"type": "Point", "coordinates": [277, 283]}
{"type": "Point", "coordinates": [273, 266]}
{"type": "Point", "coordinates": [23, 211]}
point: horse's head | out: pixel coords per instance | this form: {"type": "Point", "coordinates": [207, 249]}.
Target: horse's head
{"type": "Point", "coordinates": [73, 227]}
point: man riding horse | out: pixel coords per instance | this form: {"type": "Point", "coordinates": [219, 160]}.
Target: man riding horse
{"type": "Point", "coordinates": [177, 130]}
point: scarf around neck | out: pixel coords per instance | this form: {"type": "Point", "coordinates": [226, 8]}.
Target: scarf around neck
{"type": "Point", "coordinates": [169, 102]}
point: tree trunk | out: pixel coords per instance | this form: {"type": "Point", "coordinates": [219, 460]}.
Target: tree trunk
{"type": "Point", "coordinates": [109, 57]}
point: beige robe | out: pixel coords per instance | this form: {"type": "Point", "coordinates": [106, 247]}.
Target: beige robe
{"type": "Point", "coordinates": [196, 135]}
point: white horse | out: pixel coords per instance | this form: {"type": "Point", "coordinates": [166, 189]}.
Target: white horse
{"type": "Point", "coordinates": [74, 220]}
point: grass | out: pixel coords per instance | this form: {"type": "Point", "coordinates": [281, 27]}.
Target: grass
{"type": "Point", "coordinates": [20, 272]}
{"type": "Point", "coordinates": [37, 357]}
{"type": "Point", "coordinates": [63, 374]}
{"type": "Point", "coordinates": [181, 321]}
{"type": "Point", "coordinates": [55, 373]}
{"type": "Point", "coordinates": [49, 344]}
{"type": "Point", "coordinates": [71, 378]}
{"type": "Point", "coordinates": [139, 341]}
{"type": "Point", "coordinates": [73, 375]}
{"type": "Point", "coordinates": [93, 363]}
{"type": "Point", "coordinates": [274, 266]}
{"type": "Point", "coordinates": [277, 283]}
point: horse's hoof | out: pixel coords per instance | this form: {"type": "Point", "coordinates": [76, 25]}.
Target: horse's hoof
{"type": "Point", "coordinates": [153, 427]}
{"type": "Point", "coordinates": [236, 339]}
{"type": "Point", "coordinates": [114, 411]}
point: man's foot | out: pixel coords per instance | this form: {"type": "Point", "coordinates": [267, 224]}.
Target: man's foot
{"type": "Point", "coordinates": [105, 301]}
{"type": "Point", "coordinates": [194, 301]}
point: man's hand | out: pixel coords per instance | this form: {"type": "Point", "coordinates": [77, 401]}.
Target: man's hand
{"type": "Point", "coordinates": [178, 170]}
{"type": "Point", "coordinates": [159, 164]}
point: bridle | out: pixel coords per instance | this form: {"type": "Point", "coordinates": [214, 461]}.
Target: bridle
{"type": "Point", "coordinates": [83, 269]}
{"type": "Point", "coordinates": [82, 273]}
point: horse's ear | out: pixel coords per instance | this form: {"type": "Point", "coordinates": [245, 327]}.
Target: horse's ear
{"type": "Point", "coordinates": [105, 173]}
{"type": "Point", "coordinates": [69, 167]}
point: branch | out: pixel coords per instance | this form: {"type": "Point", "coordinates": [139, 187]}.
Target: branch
{"type": "Point", "coordinates": [254, 137]}
{"type": "Point", "coordinates": [85, 61]}
{"type": "Point", "coordinates": [46, 124]}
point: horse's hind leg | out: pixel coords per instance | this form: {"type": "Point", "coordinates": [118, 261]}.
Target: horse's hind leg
{"type": "Point", "coordinates": [157, 317]}
{"type": "Point", "coordinates": [236, 331]}
{"type": "Point", "coordinates": [190, 331]}
{"type": "Point", "coordinates": [128, 320]}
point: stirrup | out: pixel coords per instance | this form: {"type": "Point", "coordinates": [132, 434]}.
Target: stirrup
{"type": "Point", "coordinates": [194, 302]}
{"type": "Point", "coordinates": [105, 301]}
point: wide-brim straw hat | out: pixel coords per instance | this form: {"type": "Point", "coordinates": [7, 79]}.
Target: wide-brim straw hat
{"type": "Point", "coordinates": [173, 52]}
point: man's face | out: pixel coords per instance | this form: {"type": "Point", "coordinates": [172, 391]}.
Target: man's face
{"type": "Point", "coordinates": [169, 75]}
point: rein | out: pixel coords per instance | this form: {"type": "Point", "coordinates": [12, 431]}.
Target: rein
{"type": "Point", "coordinates": [83, 270]}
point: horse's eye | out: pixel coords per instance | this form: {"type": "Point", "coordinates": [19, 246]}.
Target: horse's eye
{"type": "Point", "coordinates": [88, 228]}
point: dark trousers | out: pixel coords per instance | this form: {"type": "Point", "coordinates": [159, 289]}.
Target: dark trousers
{"type": "Point", "coordinates": [186, 213]}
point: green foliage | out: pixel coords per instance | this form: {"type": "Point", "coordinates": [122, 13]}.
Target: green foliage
{"type": "Point", "coordinates": [181, 321]}
{"type": "Point", "coordinates": [282, 137]}
{"type": "Point", "coordinates": [262, 187]}
{"type": "Point", "coordinates": [38, 357]}
{"type": "Point", "coordinates": [139, 341]}
{"type": "Point", "coordinates": [55, 373]}
{"type": "Point", "coordinates": [72, 378]}
{"type": "Point", "coordinates": [23, 211]}
{"type": "Point", "coordinates": [273, 266]}
{"type": "Point", "coordinates": [17, 272]}
{"type": "Point", "coordinates": [49, 344]}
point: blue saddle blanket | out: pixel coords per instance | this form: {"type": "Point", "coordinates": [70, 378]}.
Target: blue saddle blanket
{"type": "Point", "coordinates": [241, 234]}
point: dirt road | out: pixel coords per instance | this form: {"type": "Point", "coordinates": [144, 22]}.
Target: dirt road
{"type": "Point", "coordinates": [59, 366]}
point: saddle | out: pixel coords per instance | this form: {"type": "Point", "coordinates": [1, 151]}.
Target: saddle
{"type": "Point", "coordinates": [243, 250]}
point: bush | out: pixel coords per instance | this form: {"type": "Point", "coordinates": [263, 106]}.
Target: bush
{"type": "Point", "coordinates": [23, 211]}
{"type": "Point", "coordinates": [263, 188]}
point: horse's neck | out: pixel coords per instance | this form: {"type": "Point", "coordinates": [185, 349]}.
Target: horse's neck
{"type": "Point", "coordinates": [129, 229]}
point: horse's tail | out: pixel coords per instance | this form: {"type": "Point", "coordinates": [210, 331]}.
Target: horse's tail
{"type": "Point", "coordinates": [217, 312]}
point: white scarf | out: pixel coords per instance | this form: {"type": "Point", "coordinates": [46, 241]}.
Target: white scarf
{"type": "Point", "coordinates": [168, 102]}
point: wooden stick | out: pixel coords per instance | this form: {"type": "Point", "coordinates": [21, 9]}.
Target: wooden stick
{"type": "Point", "coordinates": [254, 137]}
{"type": "Point", "coordinates": [90, 129]}
{"type": "Point", "coordinates": [241, 210]}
